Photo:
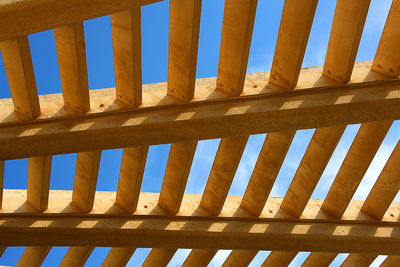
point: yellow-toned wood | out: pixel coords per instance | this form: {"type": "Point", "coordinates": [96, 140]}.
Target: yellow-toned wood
{"type": "Point", "coordinates": [294, 30]}
{"type": "Point", "coordinates": [130, 177]}
{"type": "Point", "coordinates": [76, 256]}
{"type": "Point", "coordinates": [33, 256]}
{"type": "Point", "coordinates": [319, 259]}
{"type": "Point", "coordinates": [39, 170]}
{"type": "Point", "coordinates": [176, 174]}
{"type": "Point", "coordinates": [237, 29]}
{"type": "Point", "coordinates": [240, 258]}
{"type": "Point", "coordinates": [70, 44]}
{"type": "Point", "coordinates": [279, 258]}
{"type": "Point", "coordinates": [1, 182]}
{"type": "Point", "coordinates": [118, 257]}
{"type": "Point", "coordinates": [127, 49]}
{"type": "Point", "coordinates": [219, 181]}
{"type": "Point", "coordinates": [362, 151]}
{"type": "Point", "coordinates": [21, 17]}
{"type": "Point", "coordinates": [184, 27]}
{"type": "Point", "coordinates": [347, 27]}
{"type": "Point", "coordinates": [17, 60]}
{"type": "Point", "coordinates": [391, 261]}
{"type": "Point", "coordinates": [387, 60]}
{"type": "Point", "coordinates": [311, 167]}
{"type": "Point", "coordinates": [359, 260]}
{"type": "Point", "coordinates": [266, 170]}
{"type": "Point", "coordinates": [86, 171]}
{"type": "Point", "coordinates": [199, 257]}
{"type": "Point", "coordinates": [159, 257]}
{"type": "Point", "coordinates": [385, 188]}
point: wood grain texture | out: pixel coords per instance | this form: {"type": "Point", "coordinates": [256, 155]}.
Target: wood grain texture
{"type": "Point", "coordinates": [354, 166]}
{"type": "Point", "coordinates": [237, 30]}
{"type": "Point", "coordinates": [130, 177]}
{"type": "Point", "coordinates": [219, 181]}
{"type": "Point", "coordinates": [33, 256]}
{"type": "Point", "coordinates": [319, 259]}
{"type": "Point", "coordinates": [71, 54]}
{"type": "Point", "coordinates": [347, 27]}
{"type": "Point", "coordinates": [17, 61]}
{"type": "Point", "coordinates": [184, 28]}
{"type": "Point", "coordinates": [279, 258]}
{"type": "Point", "coordinates": [359, 260]}
{"type": "Point", "coordinates": [294, 30]}
{"type": "Point", "coordinates": [240, 258]}
{"type": "Point", "coordinates": [176, 174]}
{"type": "Point", "coordinates": [159, 257]}
{"type": "Point", "coordinates": [118, 257]}
{"type": "Point", "coordinates": [265, 171]}
{"type": "Point", "coordinates": [86, 171]}
{"type": "Point", "coordinates": [22, 17]}
{"type": "Point", "coordinates": [391, 261]}
{"type": "Point", "coordinates": [39, 171]}
{"type": "Point", "coordinates": [127, 50]}
{"type": "Point", "coordinates": [76, 256]}
{"type": "Point", "coordinates": [199, 257]}
{"type": "Point", "coordinates": [387, 60]}
{"type": "Point", "coordinates": [1, 182]}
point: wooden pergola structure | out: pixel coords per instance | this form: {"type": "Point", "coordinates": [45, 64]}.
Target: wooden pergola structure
{"type": "Point", "coordinates": [231, 106]}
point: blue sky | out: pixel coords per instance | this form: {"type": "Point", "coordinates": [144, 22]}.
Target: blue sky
{"type": "Point", "coordinates": [155, 59]}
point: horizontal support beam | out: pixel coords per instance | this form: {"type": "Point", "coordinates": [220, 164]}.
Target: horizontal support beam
{"type": "Point", "coordinates": [201, 233]}
{"type": "Point", "coordinates": [300, 109]}
{"type": "Point", "coordinates": [22, 17]}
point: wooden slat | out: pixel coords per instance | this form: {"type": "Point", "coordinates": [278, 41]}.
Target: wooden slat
{"type": "Point", "coordinates": [76, 256]}
{"type": "Point", "coordinates": [237, 29]}
{"type": "Point", "coordinates": [176, 174]}
{"type": "Point", "coordinates": [184, 26]}
{"type": "Point", "coordinates": [39, 170]}
{"type": "Point", "coordinates": [130, 177]}
{"type": "Point", "coordinates": [33, 256]}
{"type": "Point", "coordinates": [219, 181]}
{"type": "Point", "coordinates": [2, 249]}
{"type": "Point", "coordinates": [385, 188]}
{"type": "Point", "coordinates": [279, 258]}
{"type": "Point", "coordinates": [199, 257]}
{"type": "Point", "coordinates": [391, 261]}
{"type": "Point", "coordinates": [311, 167]}
{"type": "Point", "coordinates": [294, 30]}
{"type": "Point", "coordinates": [159, 257]}
{"type": "Point", "coordinates": [17, 60]}
{"type": "Point", "coordinates": [319, 259]}
{"type": "Point", "coordinates": [70, 44]}
{"type": "Point", "coordinates": [265, 171]}
{"type": "Point", "coordinates": [358, 260]}
{"type": "Point", "coordinates": [86, 171]}
{"type": "Point", "coordinates": [1, 182]}
{"type": "Point", "coordinates": [387, 60]}
{"type": "Point", "coordinates": [21, 17]}
{"type": "Point", "coordinates": [240, 258]}
{"type": "Point", "coordinates": [118, 257]}
{"type": "Point", "coordinates": [347, 27]}
{"type": "Point", "coordinates": [127, 49]}
{"type": "Point", "coordinates": [354, 166]}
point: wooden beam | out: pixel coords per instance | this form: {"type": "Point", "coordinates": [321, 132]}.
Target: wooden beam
{"type": "Point", "coordinates": [2, 249]}
{"type": "Point", "coordinates": [1, 182]}
{"type": "Point", "coordinates": [279, 258]}
{"type": "Point", "coordinates": [130, 177]}
{"type": "Point", "coordinates": [219, 181]}
{"type": "Point", "coordinates": [39, 170]}
{"type": "Point", "coordinates": [86, 171]}
{"type": "Point", "coordinates": [391, 261]}
{"type": "Point", "coordinates": [347, 27]}
{"type": "Point", "coordinates": [294, 30]}
{"type": "Point", "coordinates": [240, 258]}
{"type": "Point", "coordinates": [159, 257]}
{"type": "Point", "coordinates": [311, 167]}
{"type": "Point", "coordinates": [237, 29]}
{"type": "Point", "coordinates": [319, 259]}
{"type": "Point", "coordinates": [33, 256]}
{"type": "Point", "coordinates": [76, 256]}
{"type": "Point", "coordinates": [359, 260]}
{"type": "Point", "coordinates": [17, 60]}
{"type": "Point", "coordinates": [199, 257]}
{"type": "Point", "coordinates": [300, 109]}
{"type": "Point", "coordinates": [70, 44]}
{"type": "Point", "coordinates": [184, 27]}
{"type": "Point", "coordinates": [385, 188]}
{"type": "Point", "coordinates": [265, 171]}
{"type": "Point", "coordinates": [211, 233]}
{"type": "Point", "coordinates": [118, 257]}
{"type": "Point", "coordinates": [176, 174]}
{"type": "Point", "coordinates": [354, 166]}
{"type": "Point", "coordinates": [387, 61]}
{"type": "Point", "coordinates": [21, 17]}
{"type": "Point", "coordinates": [127, 49]}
